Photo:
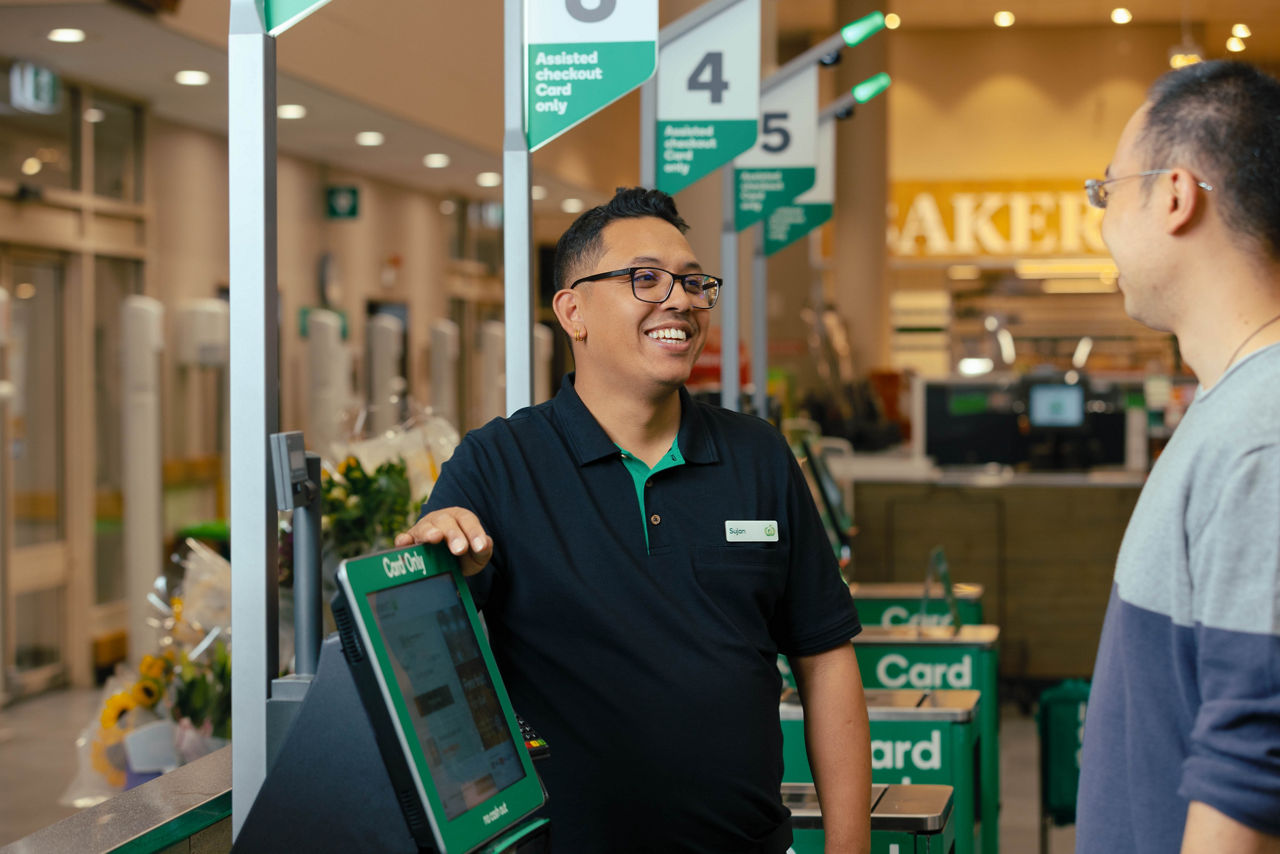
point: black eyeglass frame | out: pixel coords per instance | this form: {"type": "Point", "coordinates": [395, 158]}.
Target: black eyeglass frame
{"type": "Point", "coordinates": [630, 272]}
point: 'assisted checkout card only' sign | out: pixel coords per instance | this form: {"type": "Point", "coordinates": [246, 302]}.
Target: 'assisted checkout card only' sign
{"type": "Point", "coordinates": [581, 56]}
{"type": "Point", "coordinates": [708, 96]}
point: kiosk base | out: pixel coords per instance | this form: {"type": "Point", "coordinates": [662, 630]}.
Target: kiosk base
{"type": "Point", "coordinates": [328, 790]}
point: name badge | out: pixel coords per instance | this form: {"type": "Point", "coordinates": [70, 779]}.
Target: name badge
{"type": "Point", "coordinates": [751, 531]}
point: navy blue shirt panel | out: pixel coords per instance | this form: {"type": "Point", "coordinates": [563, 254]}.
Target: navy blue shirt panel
{"type": "Point", "coordinates": [652, 675]}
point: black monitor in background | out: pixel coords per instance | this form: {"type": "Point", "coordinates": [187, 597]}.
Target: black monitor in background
{"type": "Point", "coordinates": [972, 423]}
{"type": "Point", "coordinates": [1056, 406]}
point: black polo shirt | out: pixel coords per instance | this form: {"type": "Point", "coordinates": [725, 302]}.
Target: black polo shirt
{"type": "Point", "coordinates": [652, 673]}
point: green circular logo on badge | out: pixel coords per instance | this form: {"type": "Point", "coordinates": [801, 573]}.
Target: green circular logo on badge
{"type": "Point", "coordinates": [770, 531]}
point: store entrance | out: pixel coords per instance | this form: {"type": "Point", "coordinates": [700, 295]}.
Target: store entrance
{"type": "Point", "coordinates": [34, 553]}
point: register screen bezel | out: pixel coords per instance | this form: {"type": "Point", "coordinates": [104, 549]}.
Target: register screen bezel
{"type": "Point", "coordinates": [360, 577]}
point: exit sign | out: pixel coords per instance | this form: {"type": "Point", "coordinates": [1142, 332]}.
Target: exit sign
{"type": "Point", "coordinates": [33, 89]}
{"type": "Point", "coordinates": [342, 202]}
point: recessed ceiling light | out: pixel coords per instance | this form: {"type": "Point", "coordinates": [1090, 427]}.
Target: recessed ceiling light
{"type": "Point", "coordinates": [93, 115]}
{"type": "Point", "coordinates": [437, 160]}
{"type": "Point", "coordinates": [370, 138]}
{"type": "Point", "coordinates": [572, 206]}
{"type": "Point", "coordinates": [66, 35]}
{"type": "Point", "coordinates": [32, 166]}
{"type": "Point", "coordinates": [291, 111]}
{"type": "Point", "coordinates": [892, 21]}
{"type": "Point", "coordinates": [1121, 15]}
{"type": "Point", "coordinates": [537, 192]}
{"type": "Point", "coordinates": [24, 290]}
{"type": "Point", "coordinates": [1004, 18]}
{"type": "Point", "coordinates": [191, 77]}
{"type": "Point", "coordinates": [1241, 31]}
{"type": "Point", "coordinates": [1235, 44]}
{"type": "Point", "coordinates": [488, 179]}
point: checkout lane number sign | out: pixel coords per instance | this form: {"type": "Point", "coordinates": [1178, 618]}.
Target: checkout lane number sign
{"type": "Point", "coordinates": [581, 56]}
{"type": "Point", "coordinates": [708, 96]}
{"type": "Point", "coordinates": [781, 165]}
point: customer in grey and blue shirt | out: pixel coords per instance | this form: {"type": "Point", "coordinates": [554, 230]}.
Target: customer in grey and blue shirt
{"type": "Point", "coordinates": [1182, 734]}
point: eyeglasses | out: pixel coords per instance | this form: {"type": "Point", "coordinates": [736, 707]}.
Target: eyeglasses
{"type": "Point", "coordinates": [1096, 188]}
{"type": "Point", "coordinates": [653, 284]}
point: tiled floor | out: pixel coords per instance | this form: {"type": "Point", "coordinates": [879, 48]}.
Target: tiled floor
{"type": "Point", "coordinates": [37, 762]}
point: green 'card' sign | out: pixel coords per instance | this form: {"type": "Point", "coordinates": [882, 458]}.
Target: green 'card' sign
{"type": "Point", "coordinates": [581, 56]}
{"type": "Point", "coordinates": [708, 96]}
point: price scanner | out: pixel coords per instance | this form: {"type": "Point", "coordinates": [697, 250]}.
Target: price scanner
{"type": "Point", "coordinates": [407, 741]}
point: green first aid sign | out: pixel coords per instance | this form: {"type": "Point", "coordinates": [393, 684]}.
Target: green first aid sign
{"type": "Point", "coordinates": [781, 164]}
{"type": "Point", "coordinates": [708, 96]}
{"type": "Point", "coordinates": [581, 56]}
{"type": "Point", "coordinates": [789, 223]}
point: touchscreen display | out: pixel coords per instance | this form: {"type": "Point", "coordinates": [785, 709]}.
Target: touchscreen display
{"type": "Point", "coordinates": [442, 678]}
{"type": "Point", "coordinates": [1057, 406]}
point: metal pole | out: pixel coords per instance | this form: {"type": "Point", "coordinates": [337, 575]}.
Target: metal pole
{"type": "Point", "coordinates": [760, 327]}
{"type": "Point", "coordinates": [649, 129]}
{"type": "Point", "coordinates": [729, 385]}
{"type": "Point", "coordinates": [517, 216]}
{"type": "Point", "coordinates": [6, 392]}
{"type": "Point", "coordinates": [255, 378]}
{"type": "Point", "coordinates": [308, 626]}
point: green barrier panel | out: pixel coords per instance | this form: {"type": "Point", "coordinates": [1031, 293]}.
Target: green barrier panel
{"type": "Point", "coordinates": [898, 604]}
{"type": "Point", "coordinates": [934, 657]}
{"type": "Point", "coordinates": [1061, 724]}
{"type": "Point", "coordinates": [916, 737]}
{"type": "Point", "coordinates": [904, 819]}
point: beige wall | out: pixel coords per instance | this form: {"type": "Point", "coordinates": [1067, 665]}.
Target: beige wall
{"type": "Point", "coordinates": [188, 180]}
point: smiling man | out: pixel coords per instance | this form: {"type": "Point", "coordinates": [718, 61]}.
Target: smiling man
{"type": "Point", "coordinates": [641, 559]}
{"type": "Point", "coordinates": [1182, 734]}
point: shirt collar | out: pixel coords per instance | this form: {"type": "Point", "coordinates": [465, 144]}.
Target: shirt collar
{"type": "Point", "coordinates": [589, 442]}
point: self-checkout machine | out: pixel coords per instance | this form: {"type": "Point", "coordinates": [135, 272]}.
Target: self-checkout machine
{"type": "Point", "coordinates": [938, 658]}
{"type": "Point", "coordinates": [395, 734]}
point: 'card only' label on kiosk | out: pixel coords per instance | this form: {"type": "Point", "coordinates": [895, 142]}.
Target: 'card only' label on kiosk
{"type": "Point", "coordinates": [751, 531]}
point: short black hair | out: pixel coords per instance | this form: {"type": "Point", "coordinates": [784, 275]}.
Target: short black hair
{"type": "Point", "coordinates": [1222, 118]}
{"type": "Point", "coordinates": [582, 239]}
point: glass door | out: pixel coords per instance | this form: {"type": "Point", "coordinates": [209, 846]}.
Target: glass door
{"type": "Point", "coordinates": [34, 564]}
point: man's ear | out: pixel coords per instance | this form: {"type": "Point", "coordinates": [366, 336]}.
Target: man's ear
{"type": "Point", "coordinates": [567, 304]}
{"type": "Point", "coordinates": [1184, 202]}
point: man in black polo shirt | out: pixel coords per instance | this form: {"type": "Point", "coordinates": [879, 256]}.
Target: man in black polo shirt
{"type": "Point", "coordinates": [642, 559]}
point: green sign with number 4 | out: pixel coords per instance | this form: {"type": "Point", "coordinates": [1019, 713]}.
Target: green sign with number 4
{"type": "Point", "coordinates": [708, 96]}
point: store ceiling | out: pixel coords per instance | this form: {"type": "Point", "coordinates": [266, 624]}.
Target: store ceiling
{"type": "Point", "coordinates": [133, 55]}
{"type": "Point", "coordinates": [1211, 20]}
{"type": "Point", "coordinates": [430, 91]}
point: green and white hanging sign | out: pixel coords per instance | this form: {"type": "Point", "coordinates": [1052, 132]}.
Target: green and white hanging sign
{"type": "Point", "coordinates": [781, 164]}
{"type": "Point", "coordinates": [581, 56]}
{"type": "Point", "coordinates": [789, 223]}
{"type": "Point", "coordinates": [708, 104]}
{"type": "Point", "coordinates": [280, 15]}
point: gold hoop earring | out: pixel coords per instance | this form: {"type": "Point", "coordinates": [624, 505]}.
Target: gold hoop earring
{"type": "Point", "coordinates": [579, 335]}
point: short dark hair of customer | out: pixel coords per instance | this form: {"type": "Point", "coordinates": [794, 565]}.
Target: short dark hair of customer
{"type": "Point", "coordinates": [1223, 118]}
{"type": "Point", "coordinates": [580, 245]}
